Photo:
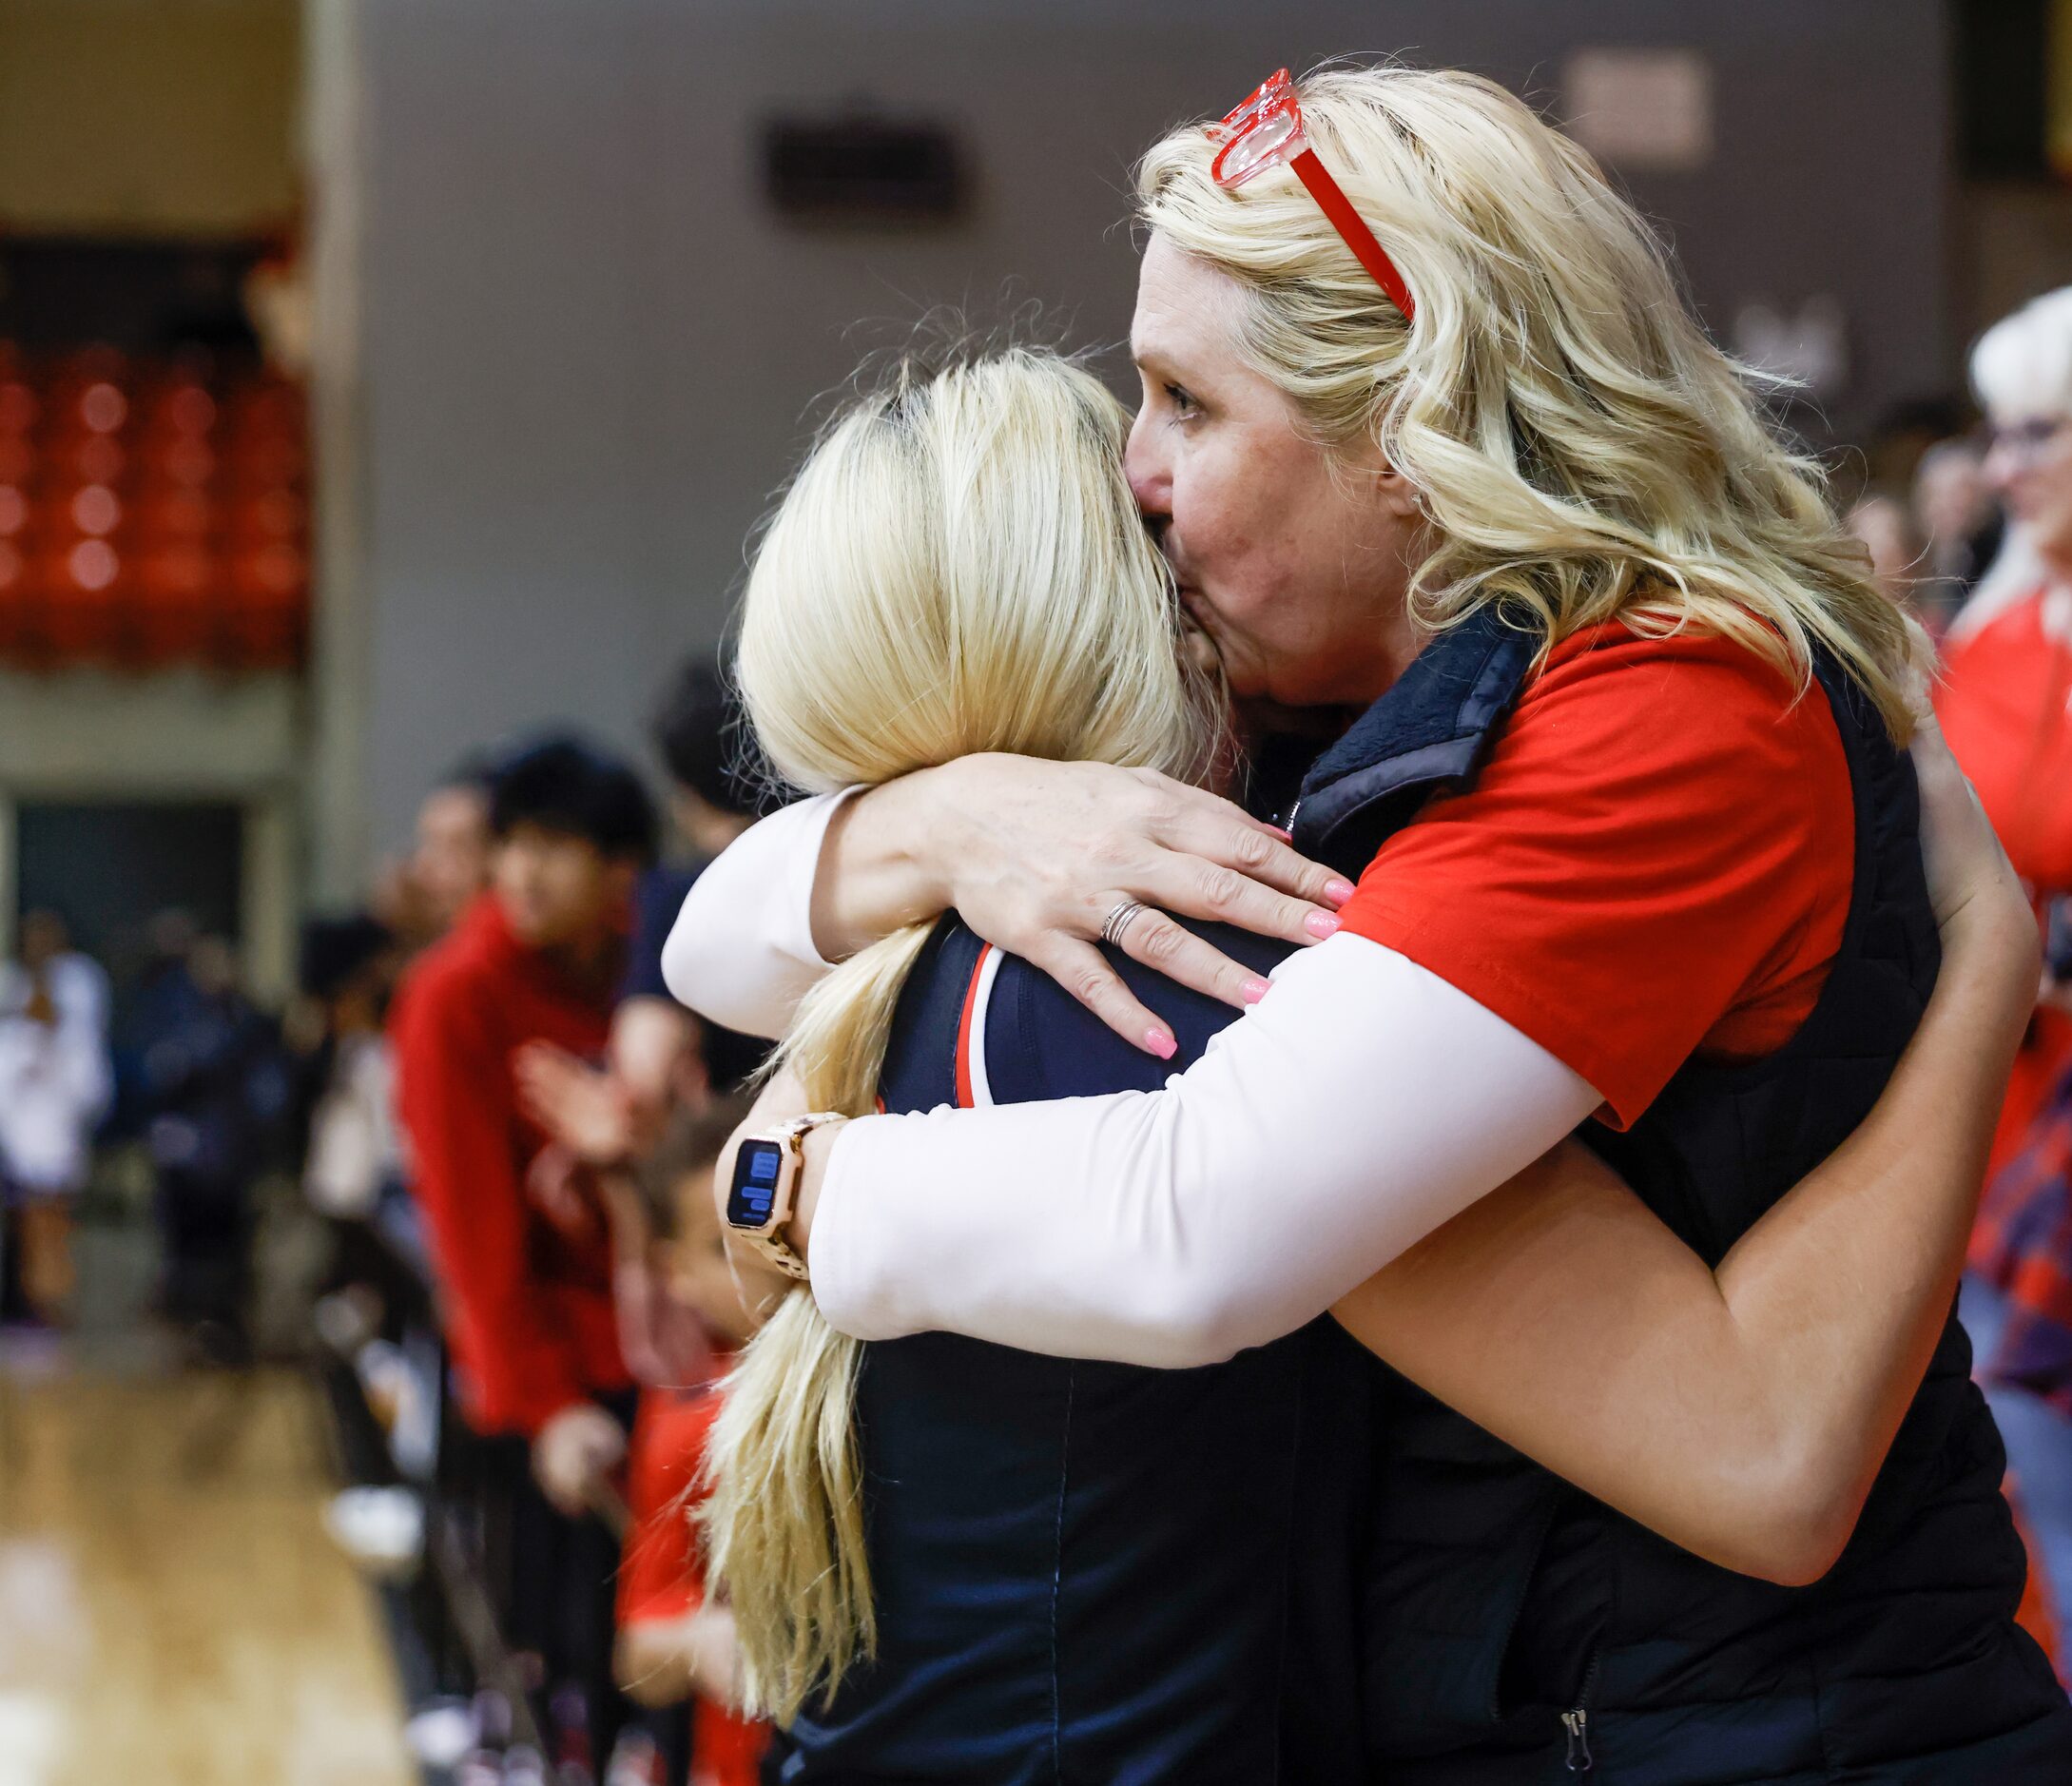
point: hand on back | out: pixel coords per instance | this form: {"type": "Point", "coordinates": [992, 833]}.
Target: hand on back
{"type": "Point", "coordinates": [1977, 896]}
{"type": "Point", "coordinates": [1039, 858]}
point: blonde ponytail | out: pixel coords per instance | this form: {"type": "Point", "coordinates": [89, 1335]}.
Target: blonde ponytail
{"type": "Point", "coordinates": [957, 568]}
{"type": "Point", "coordinates": [785, 1520]}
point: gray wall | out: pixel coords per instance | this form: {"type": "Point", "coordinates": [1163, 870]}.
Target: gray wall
{"type": "Point", "coordinates": [585, 348]}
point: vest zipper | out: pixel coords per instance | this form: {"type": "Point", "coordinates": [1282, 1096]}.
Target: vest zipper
{"type": "Point", "coordinates": [1577, 1725]}
{"type": "Point", "coordinates": [1576, 1722]}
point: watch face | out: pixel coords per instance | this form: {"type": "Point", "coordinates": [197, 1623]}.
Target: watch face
{"type": "Point", "coordinates": [754, 1189]}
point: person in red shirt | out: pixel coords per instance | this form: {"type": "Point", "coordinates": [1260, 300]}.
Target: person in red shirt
{"type": "Point", "coordinates": [2005, 695]}
{"type": "Point", "coordinates": [2005, 701]}
{"type": "Point", "coordinates": [2006, 704]}
{"type": "Point", "coordinates": [661, 1058]}
{"type": "Point", "coordinates": [517, 1239]}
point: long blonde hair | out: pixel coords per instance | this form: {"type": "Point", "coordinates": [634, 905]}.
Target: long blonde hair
{"type": "Point", "coordinates": [957, 568]}
{"type": "Point", "coordinates": [1582, 451]}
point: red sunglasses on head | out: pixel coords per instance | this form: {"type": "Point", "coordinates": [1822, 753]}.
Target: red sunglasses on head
{"type": "Point", "coordinates": [1266, 131]}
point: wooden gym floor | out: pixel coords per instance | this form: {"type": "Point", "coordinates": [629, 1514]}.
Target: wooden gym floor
{"type": "Point", "coordinates": [171, 1610]}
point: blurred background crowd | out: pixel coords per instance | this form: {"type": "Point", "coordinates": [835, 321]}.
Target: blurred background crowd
{"type": "Point", "coordinates": [386, 390]}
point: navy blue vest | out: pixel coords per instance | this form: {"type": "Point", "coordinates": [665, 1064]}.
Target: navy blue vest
{"type": "Point", "coordinates": [1517, 1630]}
{"type": "Point", "coordinates": [1089, 1572]}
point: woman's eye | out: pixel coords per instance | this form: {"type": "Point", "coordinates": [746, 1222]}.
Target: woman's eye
{"type": "Point", "coordinates": [1181, 399]}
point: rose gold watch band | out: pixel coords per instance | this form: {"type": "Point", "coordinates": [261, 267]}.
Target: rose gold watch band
{"type": "Point", "coordinates": [773, 1247]}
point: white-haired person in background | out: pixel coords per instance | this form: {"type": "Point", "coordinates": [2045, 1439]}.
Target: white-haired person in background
{"type": "Point", "coordinates": [2006, 705]}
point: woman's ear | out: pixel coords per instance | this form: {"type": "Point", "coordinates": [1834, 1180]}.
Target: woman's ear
{"type": "Point", "coordinates": [1397, 494]}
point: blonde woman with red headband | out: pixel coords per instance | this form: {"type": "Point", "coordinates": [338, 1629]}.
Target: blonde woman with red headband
{"type": "Point", "coordinates": [1622, 842]}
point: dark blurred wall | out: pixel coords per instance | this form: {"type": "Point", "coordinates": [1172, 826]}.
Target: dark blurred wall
{"type": "Point", "coordinates": [584, 343]}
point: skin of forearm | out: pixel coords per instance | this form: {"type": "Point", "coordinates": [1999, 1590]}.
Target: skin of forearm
{"type": "Point", "coordinates": [870, 880]}
{"type": "Point", "coordinates": [1561, 1316]}
{"type": "Point", "coordinates": [1744, 1416]}
{"type": "Point", "coordinates": [1845, 1287]}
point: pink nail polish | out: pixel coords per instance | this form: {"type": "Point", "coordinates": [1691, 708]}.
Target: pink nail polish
{"type": "Point", "coordinates": [1255, 989]}
{"type": "Point", "coordinates": [1285, 837]}
{"type": "Point", "coordinates": [1160, 1043]}
{"type": "Point", "coordinates": [1338, 892]}
{"type": "Point", "coordinates": [1322, 923]}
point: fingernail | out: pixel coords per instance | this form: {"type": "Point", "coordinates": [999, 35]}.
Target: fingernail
{"type": "Point", "coordinates": [1285, 837]}
{"type": "Point", "coordinates": [1338, 892]}
{"type": "Point", "coordinates": [1160, 1043]}
{"type": "Point", "coordinates": [1254, 990]}
{"type": "Point", "coordinates": [1322, 923]}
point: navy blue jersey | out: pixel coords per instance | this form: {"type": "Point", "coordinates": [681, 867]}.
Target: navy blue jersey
{"type": "Point", "coordinates": [1090, 1572]}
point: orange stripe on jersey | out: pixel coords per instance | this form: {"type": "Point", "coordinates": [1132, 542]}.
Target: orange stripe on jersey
{"type": "Point", "coordinates": [964, 1098]}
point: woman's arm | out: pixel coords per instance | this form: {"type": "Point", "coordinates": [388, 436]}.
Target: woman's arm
{"type": "Point", "coordinates": [1362, 1104]}
{"type": "Point", "coordinates": [1034, 855]}
{"type": "Point", "coordinates": [742, 950]}
{"type": "Point", "coordinates": [1742, 1415]}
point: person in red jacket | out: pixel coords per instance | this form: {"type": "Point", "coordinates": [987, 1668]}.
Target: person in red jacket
{"type": "Point", "coordinates": [517, 1239]}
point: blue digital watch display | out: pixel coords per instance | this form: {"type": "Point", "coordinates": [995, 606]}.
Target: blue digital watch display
{"type": "Point", "coordinates": [754, 1190]}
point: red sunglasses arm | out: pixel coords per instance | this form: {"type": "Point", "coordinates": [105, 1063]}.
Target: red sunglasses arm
{"type": "Point", "coordinates": [1332, 202]}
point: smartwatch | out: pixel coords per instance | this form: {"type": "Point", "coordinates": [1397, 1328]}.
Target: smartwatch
{"type": "Point", "coordinates": [765, 1174]}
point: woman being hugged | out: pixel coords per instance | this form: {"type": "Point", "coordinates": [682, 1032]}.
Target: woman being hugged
{"type": "Point", "coordinates": [1427, 429]}
{"type": "Point", "coordinates": [948, 1560]}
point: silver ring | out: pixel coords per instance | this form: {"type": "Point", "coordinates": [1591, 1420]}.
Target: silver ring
{"type": "Point", "coordinates": [1119, 920]}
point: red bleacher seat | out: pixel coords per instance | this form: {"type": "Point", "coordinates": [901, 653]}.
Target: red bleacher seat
{"type": "Point", "coordinates": [83, 586]}
{"type": "Point", "coordinates": [152, 510]}
{"type": "Point", "coordinates": [175, 609]}
{"type": "Point", "coordinates": [17, 604]}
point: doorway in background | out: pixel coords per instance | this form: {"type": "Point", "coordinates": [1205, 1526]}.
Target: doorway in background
{"type": "Point", "coordinates": [108, 867]}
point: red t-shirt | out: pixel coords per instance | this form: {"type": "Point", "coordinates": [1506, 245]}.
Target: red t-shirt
{"type": "Point", "coordinates": [526, 1292]}
{"type": "Point", "coordinates": [1654, 862]}
{"type": "Point", "coordinates": [660, 1573]}
{"type": "Point", "coordinates": [2006, 705]}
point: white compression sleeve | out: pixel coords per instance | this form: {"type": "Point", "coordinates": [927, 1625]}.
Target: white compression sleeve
{"type": "Point", "coordinates": [742, 950]}
{"type": "Point", "coordinates": [1360, 1105]}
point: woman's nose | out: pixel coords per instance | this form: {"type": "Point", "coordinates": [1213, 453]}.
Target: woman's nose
{"type": "Point", "coordinates": [1150, 474]}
